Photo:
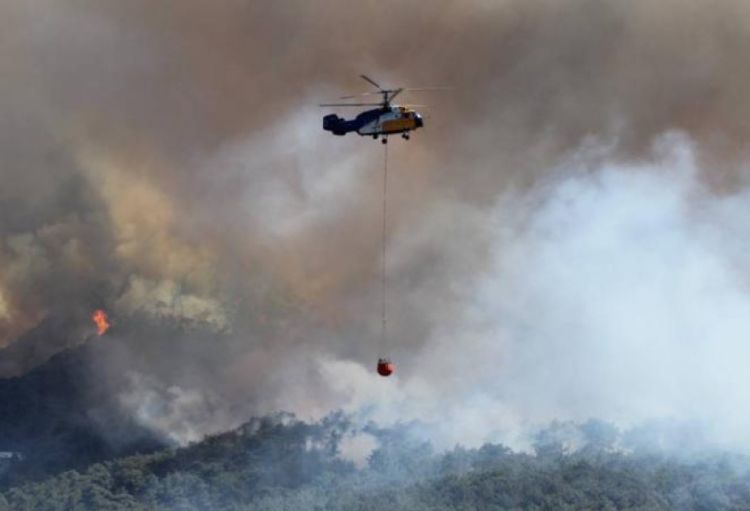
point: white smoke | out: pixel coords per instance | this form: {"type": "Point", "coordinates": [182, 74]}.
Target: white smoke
{"type": "Point", "coordinates": [177, 414]}
{"type": "Point", "coordinates": [616, 292]}
{"type": "Point", "coordinates": [357, 448]}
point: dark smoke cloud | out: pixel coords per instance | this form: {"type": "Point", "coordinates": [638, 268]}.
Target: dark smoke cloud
{"type": "Point", "coordinates": [166, 161]}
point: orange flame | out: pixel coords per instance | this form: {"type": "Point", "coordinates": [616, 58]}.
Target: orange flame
{"type": "Point", "coordinates": [101, 320]}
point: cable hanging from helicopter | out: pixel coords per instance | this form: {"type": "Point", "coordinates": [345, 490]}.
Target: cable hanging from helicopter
{"type": "Point", "coordinates": [386, 119]}
{"type": "Point", "coordinates": [385, 367]}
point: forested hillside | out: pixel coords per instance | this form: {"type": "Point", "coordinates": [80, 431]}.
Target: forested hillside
{"type": "Point", "coordinates": [279, 463]}
{"type": "Point", "coordinates": [61, 416]}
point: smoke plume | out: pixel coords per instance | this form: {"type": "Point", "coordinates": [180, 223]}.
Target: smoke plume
{"type": "Point", "coordinates": [565, 236]}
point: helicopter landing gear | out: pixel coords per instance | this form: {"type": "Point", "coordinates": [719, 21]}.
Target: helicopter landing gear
{"type": "Point", "coordinates": [374, 137]}
{"type": "Point", "coordinates": [405, 136]}
{"type": "Point", "coordinates": [385, 140]}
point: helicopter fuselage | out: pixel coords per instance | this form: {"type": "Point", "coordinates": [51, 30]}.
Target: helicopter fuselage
{"type": "Point", "coordinates": [388, 120]}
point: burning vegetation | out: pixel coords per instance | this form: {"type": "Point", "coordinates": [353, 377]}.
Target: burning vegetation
{"type": "Point", "coordinates": [101, 321]}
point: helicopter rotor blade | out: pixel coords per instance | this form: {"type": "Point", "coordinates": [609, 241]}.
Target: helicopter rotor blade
{"type": "Point", "coordinates": [351, 104]}
{"type": "Point", "coordinates": [367, 78]}
{"type": "Point", "coordinates": [362, 94]}
{"type": "Point", "coordinates": [388, 94]}
{"type": "Point", "coordinates": [395, 93]}
{"type": "Point", "coordinates": [426, 88]}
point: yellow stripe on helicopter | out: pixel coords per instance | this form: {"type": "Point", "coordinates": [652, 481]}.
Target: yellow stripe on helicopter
{"type": "Point", "coordinates": [397, 125]}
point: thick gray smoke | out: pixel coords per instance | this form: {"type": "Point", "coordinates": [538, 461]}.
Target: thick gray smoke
{"type": "Point", "coordinates": [565, 236]}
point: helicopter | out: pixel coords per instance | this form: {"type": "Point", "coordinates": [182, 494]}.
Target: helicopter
{"type": "Point", "coordinates": [387, 119]}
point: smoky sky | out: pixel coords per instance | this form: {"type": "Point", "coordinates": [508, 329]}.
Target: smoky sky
{"type": "Point", "coordinates": [565, 235]}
